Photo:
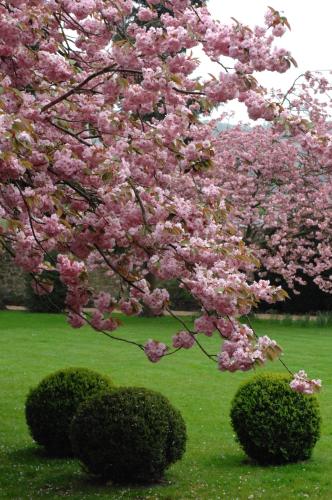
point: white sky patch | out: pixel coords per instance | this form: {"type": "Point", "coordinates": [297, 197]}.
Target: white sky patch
{"type": "Point", "coordinates": [309, 41]}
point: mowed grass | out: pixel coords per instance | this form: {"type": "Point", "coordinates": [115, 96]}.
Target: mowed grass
{"type": "Point", "coordinates": [214, 467]}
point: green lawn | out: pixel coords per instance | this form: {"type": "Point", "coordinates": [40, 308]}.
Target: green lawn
{"type": "Point", "coordinates": [34, 345]}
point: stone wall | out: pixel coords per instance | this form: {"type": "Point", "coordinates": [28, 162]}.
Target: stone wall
{"type": "Point", "coordinates": [100, 281]}
{"type": "Point", "coordinates": [13, 286]}
{"type": "Point", "coordinates": [14, 289]}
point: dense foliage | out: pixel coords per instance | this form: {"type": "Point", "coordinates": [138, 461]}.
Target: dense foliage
{"type": "Point", "coordinates": [51, 405]}
{"type": "Point", "coordinates": [133, 434]}
{"type": "Point", "coordinates": [274, 424]}
{"type": "Point", "coordinates": [180, 298]}
{"type": "Point", "coordinates": [53, 302]}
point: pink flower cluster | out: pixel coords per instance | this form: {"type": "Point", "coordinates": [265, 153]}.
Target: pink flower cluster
{"type": "Point", "coordinates": [183, 339]}
{"type": "Point", "coordinates": [130, 306]}
{"type": "Point", "coordinates": [301, 383]}
{"type": "Point", "coordinates": [155, 350]}
{"type": "Point", "coordinates": [100, 322]}
{"type": "Point", "coordinates": [156, 300]}
{"type": "Point", "coordinates": [70, 270]}
{"type": "Point", "coordinates": [242, 352]}
{"type": "Point", "coordinates": [104, 302]}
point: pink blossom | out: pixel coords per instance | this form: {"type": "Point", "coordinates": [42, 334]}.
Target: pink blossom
{"type": "Point", "coordinates": [279, 30]}
{"type": "Point", "coordinates": [130, 306]}
{"type": "Point", "coordinates": [146, 14]}
{"type": "Point", "coordinates": [156, 300]}
{"type": "Point", "coordinates": [183, 339]}
{"type": "Point", "coordinates": [103, 302]}
{"type": "Point", "coordinates": [155, 350]}
{"type": "Point", "coordinates": [301, 383]}
{"type": "Point", "coordinates": [75, 320]}
{"type": "Point", "coordinates": [100, 322]}
{"type": "Point", "coordinates": [52, 226]}
{"type": "Point", "coordinates": [54, 66]}
{"type": "Point", "coordinates": [70, 271]}
{"type": "Point", "coordinates": [235, 356]}
{"type": "Point", "coordinates": [205, 324]}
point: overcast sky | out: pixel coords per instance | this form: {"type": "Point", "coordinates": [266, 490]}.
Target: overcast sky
{"type": "Point", "coordinates": [310, 40]}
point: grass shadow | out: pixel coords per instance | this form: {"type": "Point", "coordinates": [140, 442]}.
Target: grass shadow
{"type": "Point", "coordinates": [64, 476]}
{"type": "Point", "coordinates": [237, 460]}
{"type": "Point", "coordinates": [35, 453]}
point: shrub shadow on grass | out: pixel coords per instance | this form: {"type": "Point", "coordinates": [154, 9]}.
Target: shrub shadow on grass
{"type": "Point", "coordinates": [226, 460]}
{"type": "Point", "coordinates": [28, 453]}
{"type": "Point", "coordinates": [232, 461]}
{"type": "Point", "coordinates": [35, 453]}
{"type": "Point", "coordinates": [90, 480]}
{"type": "Point", "coordinates": [45, 475]}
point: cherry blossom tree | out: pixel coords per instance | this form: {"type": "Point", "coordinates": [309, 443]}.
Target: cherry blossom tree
{"type": "Point", "coordinates": [280, 191]}
{"type": "Point", "coordinates": [85, 175]}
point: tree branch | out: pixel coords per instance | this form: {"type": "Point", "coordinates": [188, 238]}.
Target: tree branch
{"type": "Point", "coordinates": [108, 69]}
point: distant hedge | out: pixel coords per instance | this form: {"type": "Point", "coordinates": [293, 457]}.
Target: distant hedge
{"type": "Point", "coordinates": [53, 302]}
{"type": "Point", "coordinates": [180, 298]}
{"type": "Point", "coordinates": [311, 298]}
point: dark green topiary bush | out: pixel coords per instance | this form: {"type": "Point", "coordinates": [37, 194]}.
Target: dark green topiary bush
{"type": "Point", "coordinates": [131, 435]}
{"type": "Point", "coordinates": [50, 407]}
{"type": "Point", "coordinates": [273, 423]}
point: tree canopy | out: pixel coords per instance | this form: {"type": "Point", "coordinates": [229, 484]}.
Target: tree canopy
{"type": "Point", "coordinates": [85, 175]}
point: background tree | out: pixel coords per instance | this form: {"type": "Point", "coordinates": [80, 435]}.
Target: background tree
{"type": "Point", "coordinates": [280, 192]}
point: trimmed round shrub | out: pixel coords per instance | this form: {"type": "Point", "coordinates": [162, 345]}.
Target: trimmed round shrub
{"type": "Point", "coordinates": [130, 435]}
{"type": "Point", "coordinates": [273, 423]}
{"type": "Point", "coordinates": [50, 407]}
